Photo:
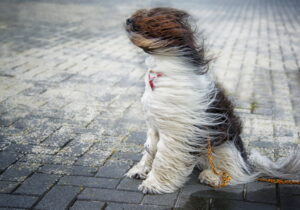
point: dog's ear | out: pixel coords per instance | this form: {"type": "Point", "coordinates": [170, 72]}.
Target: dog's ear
{"type": "Point", "coordinates": [148, 45]}
{"type": "Point", "coordinates": [170, 11]}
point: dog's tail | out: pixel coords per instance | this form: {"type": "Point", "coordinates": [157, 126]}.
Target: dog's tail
{"type": "Point", "coordinates": [283, 168]}
{"type": "Point", "coordinates": [244, 170]}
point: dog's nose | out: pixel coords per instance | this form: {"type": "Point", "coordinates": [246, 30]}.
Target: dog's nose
{"type": "Point", "coordinates": [129, 21]}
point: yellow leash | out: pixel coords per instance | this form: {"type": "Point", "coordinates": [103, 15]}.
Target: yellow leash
{"type": "Point", "coordinates": [226, 178]}
{"type": "Point", "coordinates": [279, 181]}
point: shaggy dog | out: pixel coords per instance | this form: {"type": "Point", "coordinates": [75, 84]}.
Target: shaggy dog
{"type": "Point", "coordinates": [185, 108]}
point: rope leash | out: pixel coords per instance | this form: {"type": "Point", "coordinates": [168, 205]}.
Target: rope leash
{"type": "Point", "coordinates": [279, 181]}
{"type": "Point", "coordinates": [226, 178]}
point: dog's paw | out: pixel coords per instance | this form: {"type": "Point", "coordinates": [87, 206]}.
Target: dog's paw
{"type": "Point", "coordinates": [209, 177]}
{"type": "Point", "coordinates": [138, 172]}
{"type": "Point", "coordinates": [148, 187]}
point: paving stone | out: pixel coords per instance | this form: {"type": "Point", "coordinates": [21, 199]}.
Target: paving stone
{"type": "Point", "coordinates": [128, 156]}
{"type": "Point", "coordinates": [90, 205]}
{"type": "Point", "coordinates": [68, 170]}
{"type": "Point", "coordinates": [110, 195]}
{"type": "Point", "coordinates": [59, 197]}
{"type": "Point", "coordinates": [75, 148]}
{"type": "Point", "coordinates": [89, 181]}
{"type": "Point", "coordinates": [289, 189]}
{"type": "Point", "coordinates": [37, 184]}
{"type": "Point", "coordinates": [6, 159]}
{"type": "Point", "coordinates": [60, 137]}
{"type": "Point", "coordinates": [163, 200]}
{"type": "Point", "coordinates": [289, 202]}
{"type": "Point", "coordinates": [93, 159]}
{"type": "Point", "coordinates": [289, 196]}
{"type": "Point", "coordinates": [17, 201]}
{"type": "Point", "coordinates": [35, 149]}
{"type": "Point", "coordinates": [119, 206]}
{"type": "Point", "coordinates": [129, 184]}
{"type": "Point", "coordinates": [218, 203]}
{"type": "Point", "coordinates": [137, 138]}
{"type": "Point", "coordinates": [49, 159]}
{"type": "Point", "coordinates": [200, 191]}
{"type": "Point", "coordinates": [18, 172]}
{"type": "Point", "coordinates": [8, 186]}
{"type": "Point", "coordinates": [261, 192]}
{"type": "Point", "coordinates": [113, 169]}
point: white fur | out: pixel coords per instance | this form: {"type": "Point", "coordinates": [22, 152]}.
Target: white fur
{"type": "Point", "coordinates": [175, 110]}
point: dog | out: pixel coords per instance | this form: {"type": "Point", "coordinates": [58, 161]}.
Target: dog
{"type": "Point", "coordinates": [185, 109]}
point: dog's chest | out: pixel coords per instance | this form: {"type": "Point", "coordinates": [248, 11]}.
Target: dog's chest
{"type": "Point", "coordinates": [148, 97]}
{"type": "Point", "coordinates": [150, 79]}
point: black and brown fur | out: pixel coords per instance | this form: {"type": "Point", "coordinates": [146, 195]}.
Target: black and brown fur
{"type": "Point", "coordinates": [166, 28]}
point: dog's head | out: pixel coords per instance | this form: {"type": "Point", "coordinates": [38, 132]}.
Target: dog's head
{"type": "Point", "coordinates": [166, 31]}
{"type": "Point", "coordinates": [160, 28]}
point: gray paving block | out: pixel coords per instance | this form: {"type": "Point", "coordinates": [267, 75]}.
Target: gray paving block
{"type": "Point", "coordinates": [111, 195]}
{"type": "Point", "coordinates": [237, 205]}
{"type": "Point", "coordinates": [59, 197]}
{"type": "Point", "coordinates": [128, 156]}
{"type": "Point", "coordinates": [115, 169]}
{"type": "Point", "coordinates": [289, 189]}
{"type": "Point", "coordinates": [37, 184]}
{"type": "Point", "coordinates": [163, 200]}
{"type": "Point", "coordinates": [137, 137]}
{"type": "Point", "coordinates": [288, 202]}
{"type": "Point", "coordinates": [129, 184]}
{"type": "Point", "coordinates": [18, 172]}
{"type": "Point", "coordinates": [122, 206]}
{"type": "Point", "coordinates": [94, 159]}
{"type": "Point", "coordinates": [289, 196]}
{"type": "Point", "coordinates": [202, 191]}
{"type": "Point", "coordinates": [87, 205]}
{"type": "Point", "coordinates": [75, 148]}
{"type": "Point", "coordinates": [261, 192]}
{"type": "Point", "coordinates": [219, 203]}
{"type": "Point", "coordinates": [7, 186]}
{"type": "Point", "coordinates": [60, 137]}
{"type": "Point", "coordinates": [49, 159]}
{"type": "Point", "coordinates": [34, 149]}
{"type": "Point", "coordinates": [89, 181]}
{"type": "Point", "coordinates": [17, 201]}
{"type": "Point", "coordinates": [6, 159]}
{"type": "Point", "coordinates": [68, 170]}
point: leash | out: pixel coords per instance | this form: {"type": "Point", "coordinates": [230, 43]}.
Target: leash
{"type": "Point", "coordinates": [226, 178]}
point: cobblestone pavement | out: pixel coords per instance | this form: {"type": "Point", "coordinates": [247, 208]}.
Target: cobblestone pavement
{"type": "Point", "coordinates": [70, 115]}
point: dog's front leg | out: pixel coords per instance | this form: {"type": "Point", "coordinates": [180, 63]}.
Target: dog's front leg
{"type": "Point", "coordinates": [142, 168]}
{"type": "Point", "coordinates": [170, 168]}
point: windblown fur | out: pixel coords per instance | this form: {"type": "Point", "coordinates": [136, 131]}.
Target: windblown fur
{"type": "Point", "coordinates": [185, 108]}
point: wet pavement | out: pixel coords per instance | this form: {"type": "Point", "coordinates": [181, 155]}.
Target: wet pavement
{"type": "Point", "coordinates": [71, 122]}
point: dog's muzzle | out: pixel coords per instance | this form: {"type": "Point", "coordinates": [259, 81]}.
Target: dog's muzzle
{"type": "Point", "coordinates": [129, 21]}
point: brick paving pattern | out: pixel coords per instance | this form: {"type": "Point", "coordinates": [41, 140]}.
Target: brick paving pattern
{"type": "Point", "coordinates": [70, 115]}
